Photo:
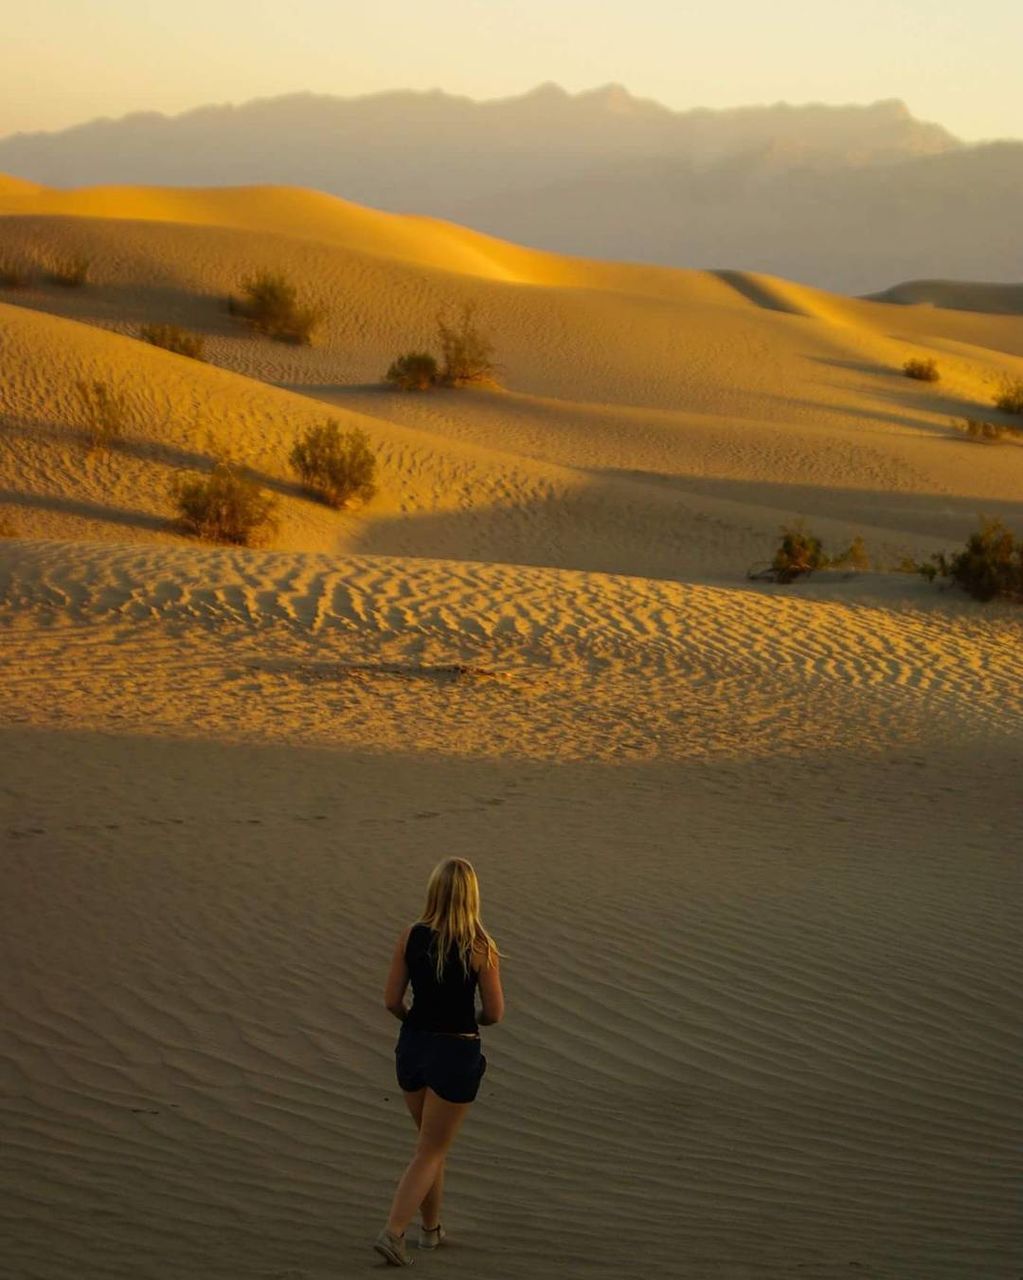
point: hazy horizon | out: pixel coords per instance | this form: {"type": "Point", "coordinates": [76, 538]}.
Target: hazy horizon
{"type": "Point", "coordinates": [112, 61]}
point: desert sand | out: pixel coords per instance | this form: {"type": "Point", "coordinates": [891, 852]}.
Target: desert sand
{"type": "Point", "coordinates": [751, 851]}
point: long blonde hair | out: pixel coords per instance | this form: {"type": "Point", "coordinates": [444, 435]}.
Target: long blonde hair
{"type": "Point", "coordinates": [453, 912]}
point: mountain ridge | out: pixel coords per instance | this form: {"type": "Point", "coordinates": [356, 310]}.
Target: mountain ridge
{"type": "Point", "coordinates": [847, 197]}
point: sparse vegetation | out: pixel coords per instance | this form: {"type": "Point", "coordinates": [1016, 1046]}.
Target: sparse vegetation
{"type": "Point", "coordinates": [225, 505]}
{"type": "Point", "coordinates": [800, 553]}
{"type": "Point", "coordinates": [467, 357]}
{"type": "Point", "coordinates": [270, 305]}
{"type": "Point", "coordinates": [906, 564]}
{"type": "Point", "coordinates": [922, 370]}
{"type": "Point", "coordinates": [990, 432]}
{"type": "Point", "coordinates": [414, 371]}
{"type": "Point", "coordinates": [71, 272]}
{"type": "Point", "coordinates": [15, 273]}
{"type": "Point", "coordinates": [173, 338]}
{"type": "Point", "coordinates": [466, 353]}
{"type": "Point", "coordinates": [1010, 397]}
{"type": "Point", "coordinates": [338, 466]}
{"type": "Point", "coordinates": [989, 567]}
{"type": "Point", "coordinates": [104, 413]}
{"type": "Point", "coordinates": [854, 557]}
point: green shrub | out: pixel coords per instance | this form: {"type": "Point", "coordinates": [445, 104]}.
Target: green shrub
{"type": "Point", "coordinates": [414, 371]}
{"type": "Point", "coordinates": [467, 355]}
{"type": "Point", "coordinates": [104, 413]}
{"type": "Point", "coordinates": [922, 370]}
{"type": "Point", "coordinates": [225, 505]}
{"type": "Point", "coordinates": [1010, 397]}
{"type": "Point", "coordinates": [270, 305]}
{"type": "Point", "coordinates": [337, 466]}
{"type": "Point", "coordinates": [172, 338]}
{"type": "Point", "coordinates": [989, 566]}
{"type": "Point", "coordinates": [990, 432]}
{"type": "Point", "coordinates": [15, 273]}
{"type": "Point", "coordinates": [799, 553]}
{"type": "Point", "coordinates": [72, 272]}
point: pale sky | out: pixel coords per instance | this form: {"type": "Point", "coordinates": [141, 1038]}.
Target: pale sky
{"type": "Point", "coordinates": [952, 61]}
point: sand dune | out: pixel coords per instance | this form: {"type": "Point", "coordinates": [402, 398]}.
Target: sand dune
{"type": "Point", "coordinates": [614, 376]}
{"type": "Point", "coordinates": [749, 849]}
{"type": "Point", "coordinates": [958, 295]}
{"type": "Point", "coordinates": [291, 211]}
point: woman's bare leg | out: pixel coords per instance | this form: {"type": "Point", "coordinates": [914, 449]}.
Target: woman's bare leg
{"type": "Point", "coordinates": [429, 1210]}
{"type": "Point", "coordinates": [438, 1125]}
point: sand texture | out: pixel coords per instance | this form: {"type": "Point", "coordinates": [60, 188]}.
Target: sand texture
{"type": "Point", "coordinates": [752, 851]}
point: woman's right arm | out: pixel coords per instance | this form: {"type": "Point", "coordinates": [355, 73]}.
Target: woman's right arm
{"type": "Point", "coordinates": [491, 994]}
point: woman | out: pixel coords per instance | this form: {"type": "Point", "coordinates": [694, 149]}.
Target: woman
{"type": "Point", "coordinates": [447, 956]}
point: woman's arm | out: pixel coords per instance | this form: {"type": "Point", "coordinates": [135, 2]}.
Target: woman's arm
{"type": "Point", "coordinates": [491, 994]}
{"type": "Point", "coordinates": [397, 981]}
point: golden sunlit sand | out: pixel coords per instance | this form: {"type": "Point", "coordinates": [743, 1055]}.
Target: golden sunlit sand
{"type": "Point", "coordinates": [749, 849]}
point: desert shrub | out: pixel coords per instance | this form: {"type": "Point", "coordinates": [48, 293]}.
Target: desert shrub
{"type": "Point", "coordinates": [922, 370]}
{"type": "Point", "coordinates": [334, 464]}
{"type": "Point", "coordinates": [908, 564]}
{"type": "Point", "coordinates": [798, 553]}
{"type": "Point", "coordinates": [466, 353]}
{"type": "Point", "coordinates": [413, 371]}
{"type": "Point", "coordinates": [172, 338]}
{"type": "Point", "coordinates": [71, 272]}
{"type": "Point", "coordinates": [225, 505]}
{"type": "Point", "coordinates": [989, 566]}
{"type": "Point", "coordinates": [8, 529]}
{"type": "Point", "coordinates": [991, 432]}
{"type": "Point", "coordinates": [1010, 397]}
{"type": "Point", "coordinates": [853, 557]}
{"type": "Point", "coordinates": [104, 413]}
{"type": "Point", "coordinates": [270, 305]}
{"type": "Point", "coordinates": [15, 273]}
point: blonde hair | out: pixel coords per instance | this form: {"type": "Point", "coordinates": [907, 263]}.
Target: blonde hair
{"type": "Point", "coordinates": [453, 912]}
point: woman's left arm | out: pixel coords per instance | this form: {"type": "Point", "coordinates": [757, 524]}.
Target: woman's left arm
{"type": "Point", "coordinates": [397, 981]}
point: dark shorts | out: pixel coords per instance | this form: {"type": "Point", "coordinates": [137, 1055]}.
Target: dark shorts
{"type": "Point", "coordinates": [449, 1065]}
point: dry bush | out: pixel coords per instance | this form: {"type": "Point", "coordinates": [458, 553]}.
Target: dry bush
{"type": "Point", "coordinates": [798, 553]}
{"type": "Point", "coordinates": [15, 273]}
{"type": "Point", "coordinates": [104, 413]}
{"type": "Point", "coordinates": [414, 371]}
{"type": "Point", "coordinates": [989, 567]}
{"type": "Point", "coordinates": [853, 557]}
{"type": "Point", "coordinates": [270, 305]}
{"type": "Point", "coordinates": [989, 432]}
{"type": "Point", "coordinates": [337, 466]}
{"type": "Point", "coordinates": [173, 338]}
{"type": "Point", "coordinates": [1010, 397]}
{"type": "Point", "coordinates": [8, 529]}
{"type": "Point", "coordinates": [71, 272]}
{"type": "Point", "coordinates": [922, 370]}
{"type": "Point", "coordinates": [466, 353]}
{"type": "Point", "coordinates": [225, 505]}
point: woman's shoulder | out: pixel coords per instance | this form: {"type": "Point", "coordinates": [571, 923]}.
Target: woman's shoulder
{"type": "Point", "coordinates": [416, 932]}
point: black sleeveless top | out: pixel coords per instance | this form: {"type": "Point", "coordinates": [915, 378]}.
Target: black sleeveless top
{"type": "Point", "coordinates": [448, 1005]}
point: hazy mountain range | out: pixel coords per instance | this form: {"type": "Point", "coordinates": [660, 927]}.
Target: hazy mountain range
{"type": "Point", "coordinates": [849, 198]}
